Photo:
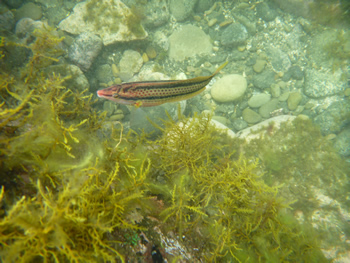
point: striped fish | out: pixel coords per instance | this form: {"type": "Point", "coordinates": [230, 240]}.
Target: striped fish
{"type": "Point", "coordinates": [154, 93]}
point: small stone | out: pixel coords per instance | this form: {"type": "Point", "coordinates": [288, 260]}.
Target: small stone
{"type": "Point", "coordinates": [309, 105]}
{"type": "Point", "coordinates": [145, 58]}
{"type": "Point", "coordinates": [282, 84]}
{"type": "Point", "coordinates": [251, 116]}
{"type": "Point", "coordinates": [293, 100]}
{"type": "Point", "coordinates": [220, 119]}
{"type": "Point", "coordinates": [197, 18]}
{"type": "Point", "coordinates": [229, 88]}
{"type": "Point", "coordinates": [347, 92]}
{"type": "Point", "coordinates": [259, 65]}
{"type": "Point", "coordinates": [117, 81]}
{"type": "Point", "coordinates": [151, 52]}
{"type": "Point", "coordinates": [264, 80]}
{"type": "Point", "coordinates": [303, 117]}
{"type": "Point", "coordinates": [212, 22]}
{"type": "Point", "coordinates": [331, 136]}
{"type": "Point", "coordinates": [241, 48]}
{"type": "Point", "coordinates": [284, 96]}
{"type": "Point", "coordinates": [225, 23]}
{"type": "Point", "coordinates": [269, 107]}
{"type": "Point", "coordinates": [239, 124]}
{"type": "Point", "coordinates": [115, 70]}
{"type": "Point", "coordinates": [275, 90]}
{"type": "Point", "coordinates": [258, 100]}
{"type": "Point", "coordinates": [116, 117]}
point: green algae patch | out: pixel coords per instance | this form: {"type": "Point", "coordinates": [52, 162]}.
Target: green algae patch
{"type": "Point", "coordinates": [75, 191]}
{"type": "Point", "coordinates": [213, 192]}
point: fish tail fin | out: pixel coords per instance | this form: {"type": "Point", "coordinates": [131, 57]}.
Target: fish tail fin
{"type": "Point", "coordinates": [220, 68]}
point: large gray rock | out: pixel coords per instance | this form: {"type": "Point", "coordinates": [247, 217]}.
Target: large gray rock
{"type": "Point", "coordinates": [318, 84]}
{"type": "Point", "coordinates": [334, 118]}
{"type": "Point", "coordinates": [84, 50]}
{"type": "Point", "coordinates": [189, 41]}
{"type": "Point", "coordinates": [111, 19]}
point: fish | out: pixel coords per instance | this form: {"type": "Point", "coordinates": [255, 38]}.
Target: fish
{"type": "Point", "coordinates": [154, 93]}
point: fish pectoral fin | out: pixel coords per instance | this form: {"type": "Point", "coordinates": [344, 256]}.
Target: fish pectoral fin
{"type": "Point", "coordinates": [138, 104]}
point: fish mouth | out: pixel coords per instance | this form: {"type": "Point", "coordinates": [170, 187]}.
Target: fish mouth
{"type": "Point", "coordinates": [103, 94]}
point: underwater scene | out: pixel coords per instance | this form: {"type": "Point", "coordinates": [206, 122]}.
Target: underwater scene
{"type": "Point", "coordinates": [174, 131]}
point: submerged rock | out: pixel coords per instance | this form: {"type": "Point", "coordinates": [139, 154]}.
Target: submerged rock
{"type": "Point", "coordinates": [188, 41]}
{"type": "Point", "coordinates": [181, 9]}
{"type": "Point", "coordinates": [234, 35]}
{"type": "Point", "coordinates": [229, 88]}
{"type": "Point", "coordinates": [7, 20]}
{"type": "Point", "coordinates": [76, 81]}
{"type": "Point", "coordinates": [319, 84]}
{"type": "Point", "coordinates": [131, 62]}
{"type": "Point", "coordinates": [156, 13]}
{"type": "Point", "coordinates": [84, 50]}
{"type": "Point", "coordinates": [334, 118]}
{"type": "Point", "coordinates": [111, 19]}
{"type": "Point", "coordinates": [29, 10]}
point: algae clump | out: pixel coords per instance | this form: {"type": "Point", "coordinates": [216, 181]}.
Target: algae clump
{"type": "Point", "coordinates": [215, 193]}
{"type": "Point", "coordinates": [71, 194]}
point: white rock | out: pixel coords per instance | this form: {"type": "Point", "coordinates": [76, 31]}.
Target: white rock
{"type": "Point", "coordinates": [250, 133]}
{"type": "Point", "coordinates": [229, 88]}
{"type": "Point", "coordinates": [110, 23]}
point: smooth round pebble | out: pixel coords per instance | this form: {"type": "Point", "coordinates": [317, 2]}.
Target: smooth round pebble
{"type": "Point", "coordinates": [151, 52]}
{"type": "Point", "coordinates": [275, 90]}
{"type": "Point", "coordinates": [293, 100]}
{"type": "Point", "coordinates": [115, 70]}
{"type": "Point", "coordinates": [258, 100]}
{"type": "Point", "coordinates": [250, 116]}
{"type": "Point", "coordinates": [259, 65]}
{"type": "Point", "coordinates": [268, 107]}
{"type": "Point", "coordinates": [284, 96]}
{"type": "Point", "coordinates": [229, 88]}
